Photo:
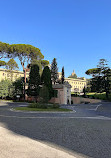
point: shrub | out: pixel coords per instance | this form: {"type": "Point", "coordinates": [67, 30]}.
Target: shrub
{"type": "Point", "coordinates": [55, 106]}
{"type": "Point", "coordinates": [44, 106]}
{"type": "Point", "coordinates": [44, 95]}
{"type": "Point", "coordinates": [38, 105]}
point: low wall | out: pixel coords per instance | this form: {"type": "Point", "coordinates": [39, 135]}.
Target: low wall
{"type": "Point", "coordinates": [54, 100]}
{"type": "Point", "coordinates": [78, 100]}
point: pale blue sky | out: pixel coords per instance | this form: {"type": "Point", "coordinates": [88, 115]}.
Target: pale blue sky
{"type": "Point", "coordinates": [76, 32]}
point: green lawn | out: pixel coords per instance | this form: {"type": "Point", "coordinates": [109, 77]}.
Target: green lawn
{"type": "Point", "coordinates": [101, 96]}
{"type": "Point", "coordinates": [38, 109]}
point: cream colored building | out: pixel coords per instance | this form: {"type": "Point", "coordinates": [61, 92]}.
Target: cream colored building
{"type": "Point", "coordinates": [76, 84]}
{"type": "Point", "coordinates": [6, 74]}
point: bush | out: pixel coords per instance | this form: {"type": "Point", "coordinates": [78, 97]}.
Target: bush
{"type": "Point", "coordinates": [44, 106]}
{"type": "Point", "coordinates": [86, 102]}
{"type": "Point", "coordinates": [44, 95]}
{"type": "Point", "coordinates": [55, 106]}
{"type": "Point", "coordinates": [38, 105]}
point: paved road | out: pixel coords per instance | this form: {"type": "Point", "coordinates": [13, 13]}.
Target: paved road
{"type": "Point", "coordinates": [85, 132]}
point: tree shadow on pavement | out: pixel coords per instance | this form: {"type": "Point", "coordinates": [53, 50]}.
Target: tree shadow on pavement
{"type": "Point", "coordinates": [89, 138]}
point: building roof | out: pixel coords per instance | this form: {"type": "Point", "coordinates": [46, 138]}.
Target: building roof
{"type": "Point", "coordinates": [15, 71]}
{"type": "Point", "coordinates": [76, 79]}
{"type": "Point", "coordinates": [60, 86]}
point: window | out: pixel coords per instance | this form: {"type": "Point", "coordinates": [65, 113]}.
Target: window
{"type": "Point", "coordinates": [3, 74]}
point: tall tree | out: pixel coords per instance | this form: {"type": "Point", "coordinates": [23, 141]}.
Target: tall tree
{"type": "Point", "coordinates": [62, 78]}
{"type": "Point", "coordinates": [11, 65]}
{"type": "Point", "coordinates": [54, 71]}
{"type": "Point", "coordinates": [40, 63]}
{"type": "Point", "coordinates": [101, 77]}
{"type": "Point", "coordinates": [2, 63]}
{"type": "Point", "coordinates": [34, 81]}
{"type": "Point", "coordinates": [26, 53]}
{"type": "Point", "coordinates": [5, 51]}
{"type": "Point", "coordinates": [46, 80]}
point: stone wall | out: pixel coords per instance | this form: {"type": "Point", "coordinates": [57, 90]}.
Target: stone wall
{"type": "Point", "coordinates": [78, 100]}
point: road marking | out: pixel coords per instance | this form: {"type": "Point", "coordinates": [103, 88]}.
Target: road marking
{"type": "Point", "coordinates": [95, 109]}
{"type": "Point", "coordinates": [73, 111]}
{"type": "Point", "coordinates": [27, 117]}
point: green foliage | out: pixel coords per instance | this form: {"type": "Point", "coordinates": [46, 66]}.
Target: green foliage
{"type": "Point", "coordinates": [5, 88]}
{"type": "Point", "coordinates": [46, 80]}
{"type": "Point", "coordinates": [95, 95]}
{"type": "Point", "coordinates": [24, 52]}
{"type": "Point", "coordinates": [62, 78]}
{"type": "Point", "coordinates": [5, 50]}
{"type": "Point", "coordinates": [44, 95]}
{"type": "Point", "coordinates": [84, 91]}
{"type": "Point", "coordinates": [73, 76]}
{"type": "Point", "coordinates": [18, 87]}
{"type": "Point", "coordinates": [55, 106]}
{"type": "Point", "coordinates": [44, 63]}
{"type": "Point", "coordinates": [34, 81]}
{"type": "Point", "coordinates": [12, 65]}
{"type": "Point", "coordinates": [2, 63]}
{"type": "Point", "coordinates": [42, 109]}
{"type": "Point", "coordinates": [55, 93]}
{"type": "Point", "coordinates": [37, 62]}
{"type": "Point", "coordinates": [101, 80]}
{"type": "Point", "coordinates": [38, 105]}
{"type": "Point", "coordinates": [44, 106]}
{"type": "Point", "coordinates": [54, 71]}
{"type": "Point", "coordinates": [93, 71]}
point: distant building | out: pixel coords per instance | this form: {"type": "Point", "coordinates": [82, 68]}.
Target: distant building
{"type": "Point", "coordinates": [63, 93]}
{"type": "Point", "coordinates": [77, 84]}
{"type": "Point", "coordinates": [5, 74]}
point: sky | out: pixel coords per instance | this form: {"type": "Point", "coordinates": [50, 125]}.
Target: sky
{"type": "Point", "coordinates": [75, 32]}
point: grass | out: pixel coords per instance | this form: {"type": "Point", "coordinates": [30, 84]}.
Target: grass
{"type": "Point", "coordinates": [39, 109]}
{"type": "Point", "coordinates": [101, 96]}
{"type": "Point", "coordinates": [3, 100]}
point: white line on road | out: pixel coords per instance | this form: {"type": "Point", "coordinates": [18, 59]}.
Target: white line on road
{"type": "Point", "coordinates": [73, 111]}
{"type": "Point", "coordinates": [27, 117]}
{"type": "Point", "coordinates": [95, 109]}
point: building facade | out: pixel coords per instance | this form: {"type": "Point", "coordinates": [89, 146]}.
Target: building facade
{"type": "Point", "coordinates": [11, 75]}
{"type": "Point", "coordinates": [63, 94]}
{"type": "Point", "coordinates": [77, 84]}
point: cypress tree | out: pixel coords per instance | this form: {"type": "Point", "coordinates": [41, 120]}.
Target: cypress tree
{"type": "Point", "coordinates": [46, 80]}
{"type": "Point", "coordinates": [34, 81]}
{"type": "Point", "coordinates": [62, 78]}
{"type": "Point", "coordinates": [54, 71]}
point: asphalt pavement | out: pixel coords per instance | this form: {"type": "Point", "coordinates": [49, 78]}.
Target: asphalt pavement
{"type": "Point", "coordinates": [84, 132]}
